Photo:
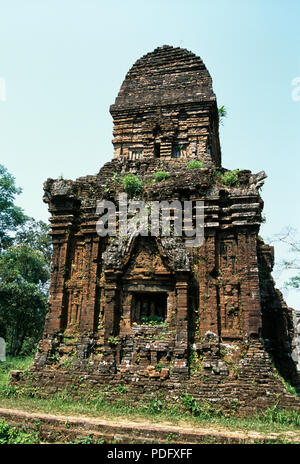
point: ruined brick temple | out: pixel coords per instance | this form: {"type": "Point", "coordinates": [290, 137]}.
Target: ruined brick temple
{"type": "Point", "coordinates": [153, 313]}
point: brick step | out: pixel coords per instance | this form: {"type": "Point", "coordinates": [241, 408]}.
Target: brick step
{"type": "Point", "coordinates": [64, 429]}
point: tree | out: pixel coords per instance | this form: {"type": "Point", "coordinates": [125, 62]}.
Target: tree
{"type": "Point", "coordinates": [289, 237]}
{"type": "Point", "coordinates": [11, 216]}
{"type": "Point", "coordinates": [25, 254]}
{"type": "Point", "coordinates": [222, 113]}
{"type": "Point", "coordinates": [24, 273]}
{"type": "Point", "coordinates": [35, 234]}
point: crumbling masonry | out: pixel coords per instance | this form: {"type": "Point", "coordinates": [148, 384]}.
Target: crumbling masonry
{"type": "Point", "coordinates": [150, 312]}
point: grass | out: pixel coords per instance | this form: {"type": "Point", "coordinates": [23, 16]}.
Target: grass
{"type": "Point", "coordinates": [12, 364]}
{"type": "Point", "coordinates": [185, 411]}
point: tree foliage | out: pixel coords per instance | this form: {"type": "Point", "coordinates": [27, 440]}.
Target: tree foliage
{"type": "Point", "coordinates": [35, 234]}
{"type": "Point", "coordinates": [222, 113]}
{"type": "Point", "coordinates": [24, 273]}
{"type": "Point", "coordinates": [289, 237]}
{"type": "Point", "coordinates": [25, 253]}
{"type": "Point", "coordinates": [11, 216]}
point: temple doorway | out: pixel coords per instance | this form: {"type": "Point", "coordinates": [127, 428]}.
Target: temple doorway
{"type": "Point", "coordinates": [148, 307]}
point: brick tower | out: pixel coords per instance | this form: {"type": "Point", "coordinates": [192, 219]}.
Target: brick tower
{"type": "Point", "coordinates": [153, 312]}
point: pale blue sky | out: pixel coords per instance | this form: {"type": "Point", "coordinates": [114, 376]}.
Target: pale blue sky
{"type": "Point", "coordinates": [63, 62]}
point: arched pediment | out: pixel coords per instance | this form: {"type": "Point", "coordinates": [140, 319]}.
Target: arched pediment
{"type": "Point", "coordinates": [169, 254]}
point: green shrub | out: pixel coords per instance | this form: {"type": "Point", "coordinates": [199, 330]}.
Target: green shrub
{"type": "Point", "coordinates": [132, 184]}
{"type": "Point", "coordinates": [13, 435]}
{"type": "Point", "coordinates": [154, 406]}
{"type": "Point", "coordinates": [230, 178]}
{"type": "Point", "coordinates": [159, 366]}
{"type": "Point", "coordinates": [203, 410]}
{"type": "Point", "coordinates": [153, 320]}
{"type": "Point", "coordinates": [191, 404]}
{"type": "Point", "coordinates": [160, 175]}
{"type": "Point", "coordinates": [194, 164]}
{"type": "Point", "coordinates": [121, 388]}
{"type": "Point", "coordinates": [113, 341]}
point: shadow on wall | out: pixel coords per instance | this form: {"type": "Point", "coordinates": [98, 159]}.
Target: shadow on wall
{"type": "Point", "coordinates": [278, 331]}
